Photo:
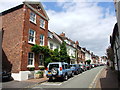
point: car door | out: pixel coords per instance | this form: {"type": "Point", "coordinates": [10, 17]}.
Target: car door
{"type": "Point", "coordinates": [69, 70]}
{"type": "Point", "coordinates": [63, 69]}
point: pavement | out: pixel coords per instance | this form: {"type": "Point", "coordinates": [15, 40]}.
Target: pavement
{"type": "Point", "coordinates": [23, 84]}
{"type": "Point", "coordinates": [108, 79]}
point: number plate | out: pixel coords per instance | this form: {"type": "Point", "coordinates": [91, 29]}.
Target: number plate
{"type": "Point", "coordinates": [49, 73]}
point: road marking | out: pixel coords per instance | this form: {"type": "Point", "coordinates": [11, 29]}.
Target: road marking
{"type": "Point", "coordinates": [93, 82]}
{"type": "Point", "coordinates": [56, 84]}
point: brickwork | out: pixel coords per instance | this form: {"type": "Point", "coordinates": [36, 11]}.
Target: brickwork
{"type": "Point", "coordinates": [15, 44]}
{"type": "Point", "coordinates": [12, 24]}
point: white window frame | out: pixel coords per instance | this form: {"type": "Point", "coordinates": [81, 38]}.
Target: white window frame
{"type": "Point", "coordinates": [42, 40]}
{"type": "Point", "coordinates": [39, 60]}
{"type": "Point", "coordinates": [43, 24]}
{"type": "Point", "coordinates": [32, 61]}
{"type": "Point", "coordinates": [30, 35]}
{"type": "Point", "coordinates": [34, 17]}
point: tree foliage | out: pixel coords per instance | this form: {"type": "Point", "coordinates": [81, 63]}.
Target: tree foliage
{"type": "Point", "coordinates": [50, 55]}
{"type": "Point", "coordinates": [64, 57]}
{"type": "Point", "coordinates": [45, 50]}
{"type": "Point", "coordinates": [88, 61]}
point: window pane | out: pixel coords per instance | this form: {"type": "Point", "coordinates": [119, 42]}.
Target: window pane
{"type": "Point", "coordinates": [41, 39]}
{"type": "Point", "coordinates": [41, 61]}
{"type": "Point", "coordinates": [30, 58]}
{"type": "Point", "coordinates": [51, 46]}
{"type": "Point", "coordinates": [42, 23]}
{"type": "Point", "coordinates": [32, 17]}
{"type": "Point", "coordinates": [31, 35]}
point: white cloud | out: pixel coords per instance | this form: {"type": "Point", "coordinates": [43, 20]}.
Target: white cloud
{"type": "Point", "coordinates": [83, 22]}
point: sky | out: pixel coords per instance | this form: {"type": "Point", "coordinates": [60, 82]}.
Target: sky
{"type": "Point", "coordinates": [87, 21]}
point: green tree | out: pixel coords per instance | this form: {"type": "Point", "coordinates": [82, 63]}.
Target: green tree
{"type": "Point", "coordinates": [88, 61]}
{"type": "Point", "coordinates": [63, 53]}
{"type": "Point", "coordinates": [56, 56]}
{"type": "Point", "coordinates": [45, 50]}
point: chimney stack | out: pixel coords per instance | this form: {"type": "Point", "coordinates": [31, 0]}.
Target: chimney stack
{"type": "Point", "coordinates": [62, 34]}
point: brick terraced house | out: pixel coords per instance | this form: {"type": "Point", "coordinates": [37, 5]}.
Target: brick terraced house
{"type": "Point", "coordinates": [22, 27]}
{"type": "Point", "coordinates": [80, 54]}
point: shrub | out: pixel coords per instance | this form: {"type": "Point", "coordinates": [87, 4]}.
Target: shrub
{"type": "Point", "coordinates": [42, 68]}
{"type": "Point", "coordinates": [31, 68]}
{"type": "Point", "coordinates": [39, 72]}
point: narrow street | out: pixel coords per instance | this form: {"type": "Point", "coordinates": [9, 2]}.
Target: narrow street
{"type": "Point", "coordinates": [83, 80]}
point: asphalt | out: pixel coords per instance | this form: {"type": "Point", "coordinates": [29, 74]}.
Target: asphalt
{"type": "Point", "coordinates": [82, 80]}
{"type": "Point", "coordinates": [99, 77]}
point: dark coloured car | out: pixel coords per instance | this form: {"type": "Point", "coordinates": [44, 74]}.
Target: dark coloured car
{"type": "Point", "coordinates": [83, 67]}
{"type": "Point", "coordinates": [75, 68]}
{"type": "Point", "coordinates": [88, 66]}
{"type": "Point", "coordinates": [5, 75]}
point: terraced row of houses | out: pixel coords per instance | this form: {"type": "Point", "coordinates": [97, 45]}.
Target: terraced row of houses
{"type": "Point", "coordinates": [26, 25]}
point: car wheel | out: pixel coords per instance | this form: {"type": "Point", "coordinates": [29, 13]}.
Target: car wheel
{"type": "Point", "coordinates": [77, 72]}
{"type": "Point", "coordinates": [66, 77]}
{"type": "Point", "coordinates": [72, 75]}
{"type": "Point", "coordinates": [50, 79]}
{"type": "Point", "coordinates": [54, 71]}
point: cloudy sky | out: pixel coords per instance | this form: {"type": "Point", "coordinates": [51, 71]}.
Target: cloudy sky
{"type": "Point", "coordinates": [88, 21]}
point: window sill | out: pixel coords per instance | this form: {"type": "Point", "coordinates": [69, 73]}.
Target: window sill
{"type": "Point", "coordinates": [42, 28]}
{"type": "Point", "coordinates": [33, 43]}
{"type": "Point", "coordinates": [33, 22]}
{"type": "Point", "coordinates": [41, 66]}
{"type": "Point", "coordinates": [41, 45]}
{"type": "Point", "coordinates": [30, 66]}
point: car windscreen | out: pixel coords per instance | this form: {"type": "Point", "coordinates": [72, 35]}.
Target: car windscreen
{"type": "Point", "coordinates": [53, 65]}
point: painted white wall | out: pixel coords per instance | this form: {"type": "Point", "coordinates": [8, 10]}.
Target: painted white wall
{"type": "Point", "coordinates": [23, 75]}
{"type": "Point", "coordinates": [87, 56]}
{"type": "Point", "coordinates": [55, 44]}
{"type": "Point", "coordinates": [71, 51]}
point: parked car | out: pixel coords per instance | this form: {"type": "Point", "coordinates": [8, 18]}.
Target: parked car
{"type": "Point", "coordinates": [5, 75]}
{"type": "Point", "coordinates": [58, 70]}
{"type": "Point", "coordinates": [83, 67]}
{"type": "Point", "coordinates": [87, 66]}
{"type": "Point", "coordinates": [75, 68]}
{"type": "Point", "coordinates": [102, 64]}
{"type": "Point", "coordinates": [93, 65]}
{"type": "Point", "coordinates": [90, 65]}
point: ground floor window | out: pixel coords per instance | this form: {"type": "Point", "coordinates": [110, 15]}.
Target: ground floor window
{"type": "Point", "coordinates": [41, 59]}
{"type": "Point", "coordinates": [30, 58]}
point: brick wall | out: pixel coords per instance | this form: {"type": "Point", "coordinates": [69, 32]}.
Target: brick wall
{"type": "Point", "coordinates": [26, 46]}
{"type": "Point", "coordinates": [15, 46]}
{"type": "Point", "coordinates": [12, 24]}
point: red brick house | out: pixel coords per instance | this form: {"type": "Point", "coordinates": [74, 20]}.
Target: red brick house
{"type": "Point", "coordinates": [80, 54]}
{"type": "Point", "coordinates": [23, 26]}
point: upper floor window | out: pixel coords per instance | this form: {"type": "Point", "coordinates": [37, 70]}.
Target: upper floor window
{"type": "Point", "coordinates": [31, 59]}
{"type": "Point", "coordinates": [42, 40]}
{"type": "Point", "coordinates": [51, 46]}
{"type": "Point", "coordinates": [57, 47]}
{"type": "Point", "coordinates": [50, 35]}
{"type": "Point", "coordinates": [41, 59]}
{"type": "Point", "coordinates": [31, 36]}
{"type": "Point", "coordinates": [42, 23]}
{"type": "Point", "coordinates": [33, 17]}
